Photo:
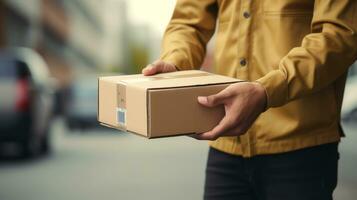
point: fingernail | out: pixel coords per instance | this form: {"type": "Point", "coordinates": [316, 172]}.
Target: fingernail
{"type": "Point", "coordinates": [202, 99]}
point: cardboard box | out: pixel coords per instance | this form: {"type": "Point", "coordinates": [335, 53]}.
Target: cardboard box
{"type": "Point", "coordinates": [160, 105]}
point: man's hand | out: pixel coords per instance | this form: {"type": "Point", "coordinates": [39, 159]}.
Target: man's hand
{"type": "Point", "coordinates": [243, 103]}
{"type": "Point", "coordinates": [158, 67]}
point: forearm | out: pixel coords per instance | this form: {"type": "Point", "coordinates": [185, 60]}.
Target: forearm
{"type": "Point", "coordinates": [323, 56]}
{"type": "Point", "coordinates": [186, 36]}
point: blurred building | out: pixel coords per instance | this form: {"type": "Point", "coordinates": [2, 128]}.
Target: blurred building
{"type": "Point", "coordinates": [100, 34]}
{"type": "Point", "coordinates": [41, 25]}
{"type": "Point", "coordinates": [85, 42]}
{"type": "Point", "coordinates": [73, 36]}
{"type": "Point", "coordinates": [70, 34]}
{"type": "Point", "coordinates": [116, 41]}
{"type": "Point", "coordinates": [138, 48]}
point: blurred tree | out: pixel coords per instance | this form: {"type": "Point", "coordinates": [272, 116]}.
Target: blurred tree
{"type": "Point", "coordinates": [139, 58]}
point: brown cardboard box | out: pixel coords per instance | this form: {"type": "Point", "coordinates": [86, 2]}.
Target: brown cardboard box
{"type": "Point", "coordinates": [160, 105]}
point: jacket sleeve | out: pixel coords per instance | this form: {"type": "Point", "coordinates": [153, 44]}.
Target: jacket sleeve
{"type": "Point", "coordinates": [191, 26]}
{"type": "Point", "coordinates": [324, 55]}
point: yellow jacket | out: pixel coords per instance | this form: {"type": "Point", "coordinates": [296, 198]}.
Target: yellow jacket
{"type": "Point", "coordinates": [299, 50]}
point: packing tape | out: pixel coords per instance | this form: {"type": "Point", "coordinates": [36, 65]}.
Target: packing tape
{"type": "Point", "coordinates": [121, 106]}
{"type": "Point", "coordinates": [162, 77]}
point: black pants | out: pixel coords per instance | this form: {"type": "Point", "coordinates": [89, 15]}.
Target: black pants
{"type": "Point", "coordinates": [307, 174]}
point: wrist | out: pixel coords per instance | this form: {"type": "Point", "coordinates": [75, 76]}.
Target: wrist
{"type": "Point", "coordinates": [262, 94]}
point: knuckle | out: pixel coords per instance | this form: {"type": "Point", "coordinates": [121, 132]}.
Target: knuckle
{"type": "Point", "coordinates": [156, 62]}
{"type": "Point", "coordinates": [167, 67]}
{"type": "Point", "coordinates": [212, 137]}
{"type": "Point", "coordinates": [160, 67]}
{"type": "Point", "coordinates": [240, 130]}
{"type": "Point", "coordinates": [231, 121]}
{"type": "Point", "coordinates": [211, 99]}
{"type": "Point", "coordinates": [227, 93]}
{"type": "Point", "coordinates": [160, 63]}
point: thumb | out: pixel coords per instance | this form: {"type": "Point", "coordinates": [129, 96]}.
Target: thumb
{"type": "Point", "coordinates": [210, 101]}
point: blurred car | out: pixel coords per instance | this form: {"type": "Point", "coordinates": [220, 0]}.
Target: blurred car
{"type": "Point", "coordinates": [26, 100]}
{"type": "Point", "coordinates": [349, 106]}
{"type": "Point", "coordinates": [83, 102]}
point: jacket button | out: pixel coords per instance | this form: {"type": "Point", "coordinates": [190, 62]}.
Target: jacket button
{"type": "Point", "coordinates": [246, 14]}
{"type": "Point", "coordinates": [243, 62]}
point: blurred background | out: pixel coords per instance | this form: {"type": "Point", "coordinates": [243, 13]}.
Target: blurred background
{"type": "Point", "coordinates": [51, 147]}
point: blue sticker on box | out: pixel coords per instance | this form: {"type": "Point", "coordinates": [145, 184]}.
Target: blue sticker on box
{"type": "Point", "coordinates": [121, 115]}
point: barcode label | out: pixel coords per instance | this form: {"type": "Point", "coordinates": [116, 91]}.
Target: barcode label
{"type": "Point", "coordinates": [121, 114]}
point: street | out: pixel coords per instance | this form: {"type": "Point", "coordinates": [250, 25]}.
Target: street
{"type": "Point", "coordinates": [106, 164]}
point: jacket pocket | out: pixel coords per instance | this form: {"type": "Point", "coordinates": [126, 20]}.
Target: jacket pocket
{"type": "Point", "coordinates": [288, 8]}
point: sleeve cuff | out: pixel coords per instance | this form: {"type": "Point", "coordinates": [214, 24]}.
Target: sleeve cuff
{"type": "Point", "coordinates": [275, 87]}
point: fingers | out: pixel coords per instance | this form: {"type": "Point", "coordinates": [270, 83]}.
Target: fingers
{"type": "Point", "coordinates": [213, 100]}
{"type": "Point", "coordinates": [237, 130]}
{"type": "Point", "coordinates": [151, 69]}
{"type": "Point", "coordinates": [224, 125]}
{"type": "Point", "coordinates": [158, 67]}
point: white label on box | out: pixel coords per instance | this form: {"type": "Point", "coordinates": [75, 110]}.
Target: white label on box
{"type": "Point", "coordinates": [121, 116]}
